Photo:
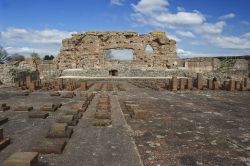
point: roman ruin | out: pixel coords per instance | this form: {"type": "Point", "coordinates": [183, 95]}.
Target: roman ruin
{"type": "Point", "coordinates": [85, 108]}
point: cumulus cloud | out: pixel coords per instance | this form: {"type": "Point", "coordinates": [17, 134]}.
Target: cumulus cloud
{"type": "Point", "coordinates": [46, 36]}
{"type": "Point", "coordinates": [227, 16]}
{"type": "Point", "coordinates": [232, 42]}
{"type": "Point", "coordinates": [22, 40]}
{"type": "Point", "coordinates": [183, 53]}
{"type": "Point", "coordinates": [157, 13]}
{"type": "Point", "coordinates": [185, 34]}
{"type": "Point", "coordinates": [117, 2]}
{"type": "Point", "coordinates": [210, 28]}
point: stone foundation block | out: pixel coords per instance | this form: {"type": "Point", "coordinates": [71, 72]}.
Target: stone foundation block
{"type": "Point", "coordinates": [48, 146]}
{"type": "Point", "coordinates": [24, 108]}
{"type": "Point", "coordinates": [103, 115]}
{"type": "Point", "coordinates": [38, 115]}
{"type": "Point", "coordinates": [22, 159]}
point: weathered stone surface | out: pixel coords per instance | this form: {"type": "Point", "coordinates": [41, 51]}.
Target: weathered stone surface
{"type": "Point", "coordinates": [199, 81]}
{"type": "Point", "coordinates": [3, 120]}
{"type": "Point", "coordinates": [60, 130]}
{"type": "Point", "coordinates": [24, 108]}
{"type": "Point", "coordinates": [87, 49]}
{"type": "Point", "coordinates": [174, 83]}
{"type": "Point", "coordinates": [38, 114]}
{"type": "Point", "coordinates": [102, 122]}
{"type": "Point", "coordinates": [140, 114]}
{"type": "Point", "coordinates": [69, 95]}
{"type": "Point", "coordinates": [55, 94]}
{"type": "Point", "coordinates": [22, 159]}
{"type": "Point", "coordinates": [103, 115]}
{"type": "Point", "coordinates": [49, 145]}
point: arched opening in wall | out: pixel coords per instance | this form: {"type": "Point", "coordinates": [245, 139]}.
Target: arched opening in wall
{"type": "Point", "coordinates": [113, 72]}
{"type": "Point", "coordinates": [149, 49]}
{"type": "Point", "coordinates": [119, 54]}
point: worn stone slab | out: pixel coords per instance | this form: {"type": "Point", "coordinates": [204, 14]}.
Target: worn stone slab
{"type": "Point", "coordinates": [50, 145]}
{"type": "Point", "coordinates": [3, 120]}
{"type": "Point", "coordinates": [199, 81]}
{"type": "Point", "coordinates": [59, 130]}
{"type": "Point", "coordinates": [50, 107]}
{"type": "Point", "coordinates": [103, 107]}
{"type": "Point", "coordinates": [102, 122]}
{"type": "Point", "coordinates": [103, 115]}
{"type": "Point", "coordinates": [25, 93]}
{"type": "Point", "coordinates": [4, 142]}
{"type": "Point", "coordinates": [38, 114]}
{"type": "Point", "coordinates": [65, 119]}
{"type": "Point", "coordinates": [55, 94]}
{"type": "Point", "coordinates": [140, 114]}
{"type": "Point", "coordinates": [71, 112]}
{"type": "Point", "coordinates": [131, 107]}
{"type": "Point", "coordinates": [69, 95]}
{"type": "Point", "coordinates": [22, 159]}
{"type": "Point", "coordinates": [24, 108]}
{"type": "Point", "coordinates": [174, 83]}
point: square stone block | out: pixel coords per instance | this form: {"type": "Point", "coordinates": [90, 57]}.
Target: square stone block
{"type": "Point", "coordinates": [102, 122]}
{"type": "Point", "coordinates": [103, 115]}
{"type": "Point", "coordinates": [55, 94]}
{"type": "Point", "coordinates": [65, 119]}
{"type": "Point", "coordinates": [70, 112]}
{"type": "Point", "coordinates": [3, 120]}
{"type": "Point", "coordinates": [59, 130]}
{"type": "Point", "coordinates": [4, 142]}
{"type": "Point", "coordinates": [23, 108]}
{"type": "Point", "coordinates": [140, 114]}
{"type": "Point", "coordinates": [69, 95]}
{"type": "Point", "coordinates": [48, 146]}
{"type": "Point", "coordinates": [38, 114]}
{"type": "Point", "coordinates": [22, 159]}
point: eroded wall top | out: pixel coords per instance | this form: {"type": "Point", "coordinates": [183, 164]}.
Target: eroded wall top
{"type": "Point", "coordinates": [87, 49]}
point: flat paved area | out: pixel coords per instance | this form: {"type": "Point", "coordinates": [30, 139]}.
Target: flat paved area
{"type": "Point", "coordinates": [189, 128]}
{"type": "Point", "coordinates": [100, 146]}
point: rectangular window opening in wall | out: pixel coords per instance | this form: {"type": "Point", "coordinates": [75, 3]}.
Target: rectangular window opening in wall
{"type": "Point", "coordinates": [119, 54]}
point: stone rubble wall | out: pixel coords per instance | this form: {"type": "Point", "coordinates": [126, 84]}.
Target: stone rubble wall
{"type": "Point", "coordinates": [87, 49]}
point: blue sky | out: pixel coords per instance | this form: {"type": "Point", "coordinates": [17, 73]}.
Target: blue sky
{"type": "Point", "coordinates": [201, 28]}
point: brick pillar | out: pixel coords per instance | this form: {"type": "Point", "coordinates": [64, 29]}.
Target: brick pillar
{"type": "Point", "coordinates": [237, 85]}
{"type": "Point", "coordinates": [174, 83]}
{"type": "Point", "coordinates": [32, 86]}
{"type": "Point", "coordinates": [182, 84]}
{"type": "Point", "coordinates": [60, 83]}
{"type": "Point", "coordinates": [83, 86]}
{"type": "Point", "coordinates": [215, 85]}
{"type": "Point", "coordinates": [199, 82]}
{"type": "Point", "coordinates": [189, 84]}
{"type": "Point", "coordinates": [210, 84]}
{"type": "Point", "coordinates": [231, 85]}
{"type": "Point", "coordinates": [245, 82]}
{"type": "Point", "coordinates": [226, 85]}
{"type": "Point", "coordinates": [28, 79]}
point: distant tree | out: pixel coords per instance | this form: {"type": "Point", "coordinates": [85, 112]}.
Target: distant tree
{"type": "Point", "coordinates": [47, 57]}
{"type": "Point", "coordinates": [108, 55]}
{"type": "Point", "coordinates": [16, 57]}
{"type": "Point", "coordinates": [35, 58]}
{"type": "Point", "coordinates": [3, 55]}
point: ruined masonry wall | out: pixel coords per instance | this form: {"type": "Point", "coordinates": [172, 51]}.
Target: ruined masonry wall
{"type": "Point", "coordinates": [84, 50]}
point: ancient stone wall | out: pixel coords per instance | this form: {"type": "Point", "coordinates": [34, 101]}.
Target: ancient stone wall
{"type": "Point", "coordinates": [85, 50]}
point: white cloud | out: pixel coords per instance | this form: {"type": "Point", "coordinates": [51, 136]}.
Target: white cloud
{"type": "Point", "coordinates": [22, 40]}
{"type": "Point", "coordinates": [186, 34]}
{"type": "Point", "coordinates": [117, 2]}
{"type": "Point", "coordinates": [227, 16]}
{"type": "Point", "coordinates": [46, 36]}
{"type": "Point", "coordinates": [157, 13]}
{"type": "Point", "coordinates": [146, 6]}
{"type": "Point", "coordinates": [210, 28]}
{"type": "Point", "coordinates": [232, 42]}
{"type": "Point", "coordinates": [173, 37]}
{"type": "Point", "coordinates": [29, 50]}
{"type": "Point", "coordinates": [183, 53]}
